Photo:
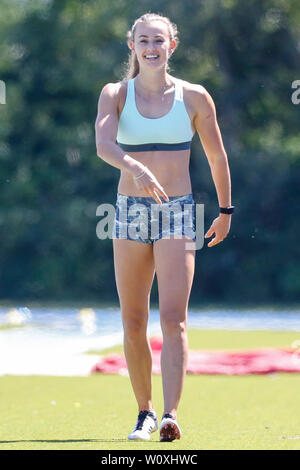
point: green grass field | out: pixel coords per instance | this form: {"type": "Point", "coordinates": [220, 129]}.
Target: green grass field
{"type": "Point", "coordinates": [97, 412]}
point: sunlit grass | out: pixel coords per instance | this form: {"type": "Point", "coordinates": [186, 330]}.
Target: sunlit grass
{"type": "Point", "coordinates": [98, 412]}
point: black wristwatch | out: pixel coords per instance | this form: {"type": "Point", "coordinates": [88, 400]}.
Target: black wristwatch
{"type": "Point", "coordinates": [227, 210]}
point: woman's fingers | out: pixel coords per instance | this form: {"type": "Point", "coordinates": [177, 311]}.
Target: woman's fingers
{"type": "Point", "coordinates": [159, 191]}
{"type": "Point", "coordinates": [156, 196]}
{"type": "Point", "coordinates": [163, 193]}
{"type": "Point", "coordinates": [150, 192]}
{"type": "Point", "coordinates": [217, 239]}
{"type": "Point", "coordinates": [218, 229]}
{"type": "Point", "coordinates": [209, 232]}
{"type": "Point", "coordinates": [213, 242]}
{"type": "Point", "coordinates": [149, 183]}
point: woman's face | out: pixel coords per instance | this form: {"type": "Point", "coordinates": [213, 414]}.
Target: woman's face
{"type": "Point", "coordinates": [152, 44]}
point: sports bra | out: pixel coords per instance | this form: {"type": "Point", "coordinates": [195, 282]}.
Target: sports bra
{"type": "Point", "coordinates": [137, 133]}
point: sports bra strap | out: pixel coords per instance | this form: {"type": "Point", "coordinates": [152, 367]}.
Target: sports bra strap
{"type": "Point", "coordinates": [178, 90]}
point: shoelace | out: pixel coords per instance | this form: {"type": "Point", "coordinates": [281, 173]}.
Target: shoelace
{"type": "Point", "coordinates": [141, 419]}
{"type": "Point", "coordinates": [168, 415]}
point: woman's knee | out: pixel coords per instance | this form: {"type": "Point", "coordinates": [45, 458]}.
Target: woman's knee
{"type": "Point", "coordinates": [173, 323]}
{"type": "Point", "coordinates": [134, 325]}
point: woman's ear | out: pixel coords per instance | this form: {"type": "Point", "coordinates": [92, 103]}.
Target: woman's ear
{"type": "Point", "coordinates": [173, 46]}
{"type": "Point", "coordinates": [130, 44]}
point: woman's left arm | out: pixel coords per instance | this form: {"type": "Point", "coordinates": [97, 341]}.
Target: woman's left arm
{"type": "Point", "coordinates": [206, 124]}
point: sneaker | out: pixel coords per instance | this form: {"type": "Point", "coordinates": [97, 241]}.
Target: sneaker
{"type": "Point", "coordinates": [169, 428]}
{"type": "Point", "coordinates": [146, 424]}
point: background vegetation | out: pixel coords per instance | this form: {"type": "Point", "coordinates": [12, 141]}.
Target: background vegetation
{"type": "Point", "coordinates": [56, 56]}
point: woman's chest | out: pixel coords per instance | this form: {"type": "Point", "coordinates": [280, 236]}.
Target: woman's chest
{"type": "Point", "coordinates": [157, 109]}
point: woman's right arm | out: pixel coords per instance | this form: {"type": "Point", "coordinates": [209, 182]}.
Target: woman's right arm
{"type": "Point", "coordinates": [106, 129]}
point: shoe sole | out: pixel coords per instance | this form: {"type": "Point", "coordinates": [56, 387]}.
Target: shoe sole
{"type": "Point", "coordinates": [137, 439]}
{"type": "Point", "coordinates": [169, 432]}
{"type": "Point", "coordinates": [140, 438]}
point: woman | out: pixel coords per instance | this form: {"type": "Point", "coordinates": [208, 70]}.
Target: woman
{"type": "Point", "coordinates": [144, 127]}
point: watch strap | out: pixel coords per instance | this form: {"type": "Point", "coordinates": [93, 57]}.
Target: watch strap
{"type": "Point", "coordinates": [227, 210]}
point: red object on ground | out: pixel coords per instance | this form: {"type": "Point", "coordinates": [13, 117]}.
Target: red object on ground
{"type": "Point", "coordinates": [242, 362]}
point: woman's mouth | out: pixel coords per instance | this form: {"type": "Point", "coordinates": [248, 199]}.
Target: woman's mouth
{"type": "Point", "coordinates": [151, 57]}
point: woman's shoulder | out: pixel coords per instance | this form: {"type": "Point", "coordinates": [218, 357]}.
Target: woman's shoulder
{"type": "Point", "coordinates": [194, 93]}
{"type": "Point", "coordinates": [116, 91]}
{"type": "Point", "coordinates": [115, 87]}
{"type": "Point", "coordinates": [192, 88]}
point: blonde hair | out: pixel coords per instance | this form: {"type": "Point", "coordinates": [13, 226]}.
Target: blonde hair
{"type": "Point", "coordinates": [132, 65]}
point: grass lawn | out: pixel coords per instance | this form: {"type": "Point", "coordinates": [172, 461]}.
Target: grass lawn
{"type": "Point", "coordinates": [97, 412]}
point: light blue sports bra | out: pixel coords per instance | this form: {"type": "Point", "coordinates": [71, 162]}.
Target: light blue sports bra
{"type": "Point", "coordinates": [173, 131]}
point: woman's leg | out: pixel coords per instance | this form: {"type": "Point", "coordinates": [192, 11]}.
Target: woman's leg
{"type": "Point", "coordinates": [174, 266]}
{"type": "Point", "coordinates": [134, 272]}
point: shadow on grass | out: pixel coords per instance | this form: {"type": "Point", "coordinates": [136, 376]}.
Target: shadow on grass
{"type": "Point", "coordinates": [71, 440]}
{"type": "Point", "coordinates": [65, 440]}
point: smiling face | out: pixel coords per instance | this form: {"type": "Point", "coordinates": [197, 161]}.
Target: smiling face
{"type": "Point", "coordinates": [152, 44]}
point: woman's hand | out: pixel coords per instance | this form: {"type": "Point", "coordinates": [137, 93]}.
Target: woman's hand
{"type": "Point", "coordinates": [220, 227]}
{"type": "Point", "coordinates": [147, 181]}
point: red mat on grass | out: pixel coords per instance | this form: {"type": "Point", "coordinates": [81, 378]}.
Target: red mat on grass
{"type": "Point", "coordinates": [251, 361]}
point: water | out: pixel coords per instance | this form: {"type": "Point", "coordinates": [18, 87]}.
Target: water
{"type": "Point", "coordinates": [52, 341]}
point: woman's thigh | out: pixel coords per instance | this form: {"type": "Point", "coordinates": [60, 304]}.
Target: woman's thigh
{"type": "Point", "coordinates": [134, 273]}
{"type": "Point", "coordinates": [174, 266]}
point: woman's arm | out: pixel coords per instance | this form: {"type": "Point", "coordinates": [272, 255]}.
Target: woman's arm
{"type": "Point", "coordinates": [106, 129]}
{"type": "Point", "coordinates": [207, 127]}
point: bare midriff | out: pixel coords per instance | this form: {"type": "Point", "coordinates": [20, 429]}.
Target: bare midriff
{"type": "Point", "coordinates": [170, 168]}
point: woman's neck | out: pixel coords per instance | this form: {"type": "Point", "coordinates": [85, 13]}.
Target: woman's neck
{"type": "Point", "coordinates": [153, 83]}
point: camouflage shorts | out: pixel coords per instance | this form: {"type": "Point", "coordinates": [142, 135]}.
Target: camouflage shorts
{"type": "Point", "coordinates": [143, 219]}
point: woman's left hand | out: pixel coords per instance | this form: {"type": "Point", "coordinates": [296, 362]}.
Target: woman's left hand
{"type": "Point", "coordinates": [220, 227]}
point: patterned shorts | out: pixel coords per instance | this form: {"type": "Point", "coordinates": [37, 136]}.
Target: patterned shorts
{"type": "Point", "coordinates": [144, 220]}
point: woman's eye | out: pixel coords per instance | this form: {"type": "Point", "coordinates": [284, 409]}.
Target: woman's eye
{"type": "Point", "coordinates": [159, 40]}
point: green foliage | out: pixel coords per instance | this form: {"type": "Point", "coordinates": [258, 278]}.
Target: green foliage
{"type": "Point", "coordinates": [55, 59]}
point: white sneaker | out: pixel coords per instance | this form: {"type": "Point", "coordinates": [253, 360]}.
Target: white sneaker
{"type": "Point", "coordinates": [146, 424]}
{"type": "Point", "coordinates": [169, 428]}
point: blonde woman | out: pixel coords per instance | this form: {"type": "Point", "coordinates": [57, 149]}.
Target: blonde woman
{"type": "Point", "coordinates": [144, 127]}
